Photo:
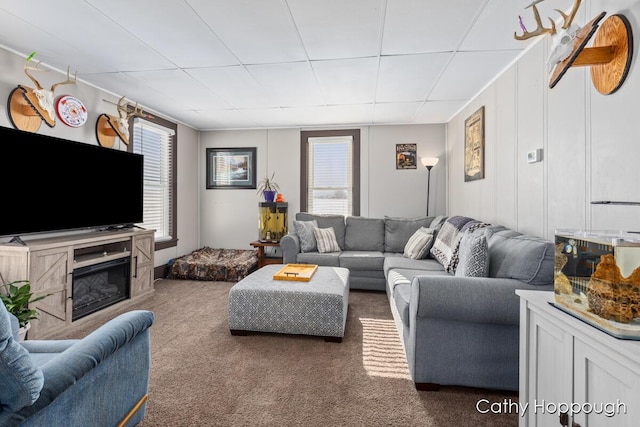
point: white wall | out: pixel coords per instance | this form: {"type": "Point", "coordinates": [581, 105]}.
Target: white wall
{"type": "Point", "coordinates": [12, 74]}
{"type": "Point", "coordinates": [229, 218]}
{"type": "Point", "coordinates": [590, 143]}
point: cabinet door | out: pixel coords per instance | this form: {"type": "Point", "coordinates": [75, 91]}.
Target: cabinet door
{"type": "Point", "coordinates": [142, 264]}
{"type": "Point", "coordinates": [609, 384]}
{"type": "Point", "coordinates": [50, 273]}
{"type": "Point", "coordinates": [549, 363]}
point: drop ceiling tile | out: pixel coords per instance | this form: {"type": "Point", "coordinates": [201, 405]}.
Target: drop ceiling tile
{"type": "Point", "coordinates": [257, 32]}
{"type": "Point", "coordinates": [397, 112]}
{"type": "Point", "coordinates": [233, 84]}
{"type": "Point", "coordinates": [347, 80]}
{"type": "Point", "coordinates": [288, 84]}
{"type": "Point", "coordinates": [469, 72]}
{"type": "Point", "coordinates": [173, 30]}
{"type": "Point", "coordinates": [360, 114]}
{"type": "Point", "coordinates": [424, 26]}
{"type": "Point", "coordinates": [183, 88]}
{"type": "Point", "coordinates": [88, 32]}
{"type": "Point", "coordinates": [409, 77]}
{"type": "Point", "coordinates": [332, 29]}
{"type": "Point", "coordinates": [495, 26]}
{"type": "Point", "coordinates": [223, 119]}
{"type": "Point", "coordinates": [438, 111]}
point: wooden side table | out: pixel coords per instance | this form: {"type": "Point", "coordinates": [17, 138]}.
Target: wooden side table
{"type": "Point", "coordinates": [262, 258]}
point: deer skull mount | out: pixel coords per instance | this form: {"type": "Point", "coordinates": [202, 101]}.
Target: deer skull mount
{"type": "Point", "coordinates": [28, 107]}
{"type": "Point", "coordinates": [609, 58]}
{"type": "Point", "coordinates": [562, 41]}
{"type": "Point", "coordinates": [109, 126]}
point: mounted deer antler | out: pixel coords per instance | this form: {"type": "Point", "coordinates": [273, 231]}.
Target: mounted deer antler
{"type": "Point", "coordinates": [42, 99]}
{"type": "Point", "coordinates": [108, 126]}
{"type": "Point", "coordinates": [541, 29]}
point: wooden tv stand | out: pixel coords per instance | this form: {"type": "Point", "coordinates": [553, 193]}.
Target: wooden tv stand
{"type": "Point", "coordinates": [49, 263]}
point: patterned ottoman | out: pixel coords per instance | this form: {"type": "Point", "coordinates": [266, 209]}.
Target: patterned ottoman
{"type": "Point", "coordinates": [318, 307]}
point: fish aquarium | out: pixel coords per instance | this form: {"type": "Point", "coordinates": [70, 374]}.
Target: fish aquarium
{"type": "Point", "coordinates": [272, 221]}
{"type": "Point", "coordinates": [597, 279]}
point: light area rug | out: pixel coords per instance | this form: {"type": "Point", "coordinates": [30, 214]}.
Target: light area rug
{"type": "Point", "coordinates": [201, 375]}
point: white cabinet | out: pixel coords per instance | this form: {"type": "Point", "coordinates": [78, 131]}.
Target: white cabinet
{"type": "Point", "coordinates": [571, 373]}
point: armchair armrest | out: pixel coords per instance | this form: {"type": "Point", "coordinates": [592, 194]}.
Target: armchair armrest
{"type": "Point", "coordinates": [468, 299]}
{"type": "Point", "coordinates": [290, 245]}
{"type": "Point", "coordinates": [82, 356]}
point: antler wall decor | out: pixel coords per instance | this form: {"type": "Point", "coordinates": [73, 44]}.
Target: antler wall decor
{"type": "Point", "coordinates": [28, 107]}
{"type": "Point", "coordinates": [609, 58]}
{"type": "Point", "coordinates": [109, 127]}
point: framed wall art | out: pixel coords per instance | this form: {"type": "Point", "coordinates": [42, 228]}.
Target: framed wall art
{"type": "Point", "coordinates": [231, 168]}
{"type": "Point", "coordinates": [474, 146]}
{"type": "Point", "coordinates": [406, 156]}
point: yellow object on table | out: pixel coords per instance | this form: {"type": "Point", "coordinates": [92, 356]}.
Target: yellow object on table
{"type": "Point", "coordinates": [296, 272]}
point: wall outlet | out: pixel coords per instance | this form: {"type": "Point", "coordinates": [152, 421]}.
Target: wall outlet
{"type": "Point", "coordinates": [534, 156]}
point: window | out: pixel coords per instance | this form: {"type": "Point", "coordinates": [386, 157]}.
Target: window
{"type": "Point", "coordinates": [330, 172]}
{"type": "Point", "coordinates": [156, 139]}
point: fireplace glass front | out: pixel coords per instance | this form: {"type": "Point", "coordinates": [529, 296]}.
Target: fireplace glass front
{"type": "Point", "coordinates": [101, 285]}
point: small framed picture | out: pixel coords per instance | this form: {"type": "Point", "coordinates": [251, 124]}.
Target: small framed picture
{"type": "Point", "coordinates": [474, 146]}
{"type": "Point", "coordinates": [231, 168]}
{"type": "Point", "coordinates": [406, 156]}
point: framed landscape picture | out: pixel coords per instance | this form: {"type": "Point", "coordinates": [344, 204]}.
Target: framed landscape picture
{"type": "Point", "coordinates": [474, 146]}
{"type": "Point", "coordinates": [231, 168]}
{"type": "Point", "coordinates": [406, 156]}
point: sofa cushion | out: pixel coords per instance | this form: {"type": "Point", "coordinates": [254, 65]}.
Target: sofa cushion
{"type": "Point", "coordinates": [304, 230]}
{"type": "Point", "coordinates": [330, 259]}
{"type": "Point", "coordinates": [397, 231]}
{"type": "Point", "coordinates": [20, 380]}
{"type": "Point", "coordinates": [516, 256]}
{"type": "Point", "coordinates": [395, 261]}
{"type": "Point", "coordinates": [419, 244]}
{"type": "Point", "coordinates": [364, 234]}
{"type": "Point", "coordinates": [326, 221]}
{"type": "Point", "coordinates": [473, 256]}
{"type": "Point", "coordinates": [326, 240]}
{"type": "Point", "coordinates": [362, 260]}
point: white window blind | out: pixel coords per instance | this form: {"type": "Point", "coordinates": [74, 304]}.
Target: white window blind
{"type": "Point", "coordinates": [330, 175]}
{"type": "Point", "coordinates": [155, 143]}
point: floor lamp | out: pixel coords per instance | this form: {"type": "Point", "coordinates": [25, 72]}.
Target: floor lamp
{"type": "Point", "coordinates": [428, 163]}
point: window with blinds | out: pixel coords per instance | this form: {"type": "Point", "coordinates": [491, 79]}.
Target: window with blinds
{"type": "Point", "coordinates": [156, 143]}
{"type": "Point", "coordinates": [331, 168]}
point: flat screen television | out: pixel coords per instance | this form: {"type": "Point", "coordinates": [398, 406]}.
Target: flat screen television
{"type": "Point", "coordinates": [51, 184]}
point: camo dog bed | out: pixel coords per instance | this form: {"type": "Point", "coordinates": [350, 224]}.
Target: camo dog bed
{"type": "Point", "coordinates": [223, 265]}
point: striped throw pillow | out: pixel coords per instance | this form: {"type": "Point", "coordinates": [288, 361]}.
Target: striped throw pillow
{"type": "Point", "coordinates": [326, 240]}
{"type": "Point", "coordinates": [419, 244]}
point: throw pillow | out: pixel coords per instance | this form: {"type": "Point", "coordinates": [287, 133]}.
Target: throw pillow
{"type": "Point", "coordinates": [304, 230]}
{"type": "Point", "coordinates": [419, 244]}
{"type": "Point", "coordinates": [473, 256]}
{"type": "Point", "coordinates": [21, 379]}
{"type": "Point", "coordinates": [326, 239]}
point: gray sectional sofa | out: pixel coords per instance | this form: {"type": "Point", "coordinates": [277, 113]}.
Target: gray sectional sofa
{"type": "Point", "coordinates": [458, 319]}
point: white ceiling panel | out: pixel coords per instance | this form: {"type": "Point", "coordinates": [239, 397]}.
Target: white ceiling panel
{"type": "Point", "coordinates": [288, 84]}
{"type": "Point", "coordinates": [468, 73]}
{"type": "Point", "coordinates": [425, 26]}
{"type": "Point", "coordinates": [333, 29]}
{"type": "Point", "coordinates": [232, 64]}
{"type": "Point", "coordinates": [233, 84]}
{"type": "Point", "coordinates": [409, 77]}
{"type": "Point", "coordinates": [347, 80]}
{"type": "Point", "coordinates": [258, 32]}
{"type": "Point", "coordinates": [178, 85]}
{"type": "Point", "coordinates": [174, 30]}
{"type": "Point", "coordinates": [391, 113]}
{"type": "Point", "coordinates": [438, 111]}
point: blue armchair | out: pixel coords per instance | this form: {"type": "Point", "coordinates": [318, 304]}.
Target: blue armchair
{"type": "Point", "coordinates": [102, 379]}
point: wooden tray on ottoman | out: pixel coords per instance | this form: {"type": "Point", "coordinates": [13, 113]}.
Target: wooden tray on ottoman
{"type": "Point", "coordinates": [296, 272]}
